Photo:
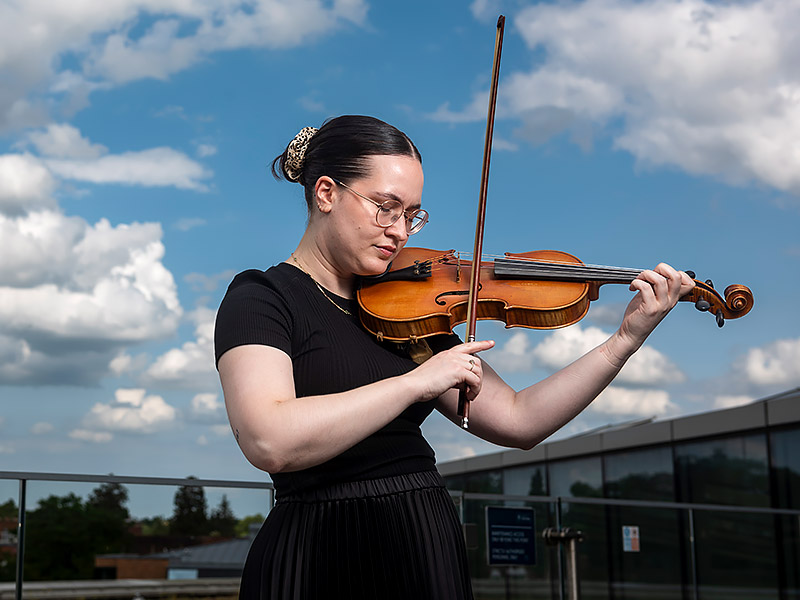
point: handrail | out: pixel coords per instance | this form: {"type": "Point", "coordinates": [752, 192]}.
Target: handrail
{"type": "Point", "coordinates": [23, 477]}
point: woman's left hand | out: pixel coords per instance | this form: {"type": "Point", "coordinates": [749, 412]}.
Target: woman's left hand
{"type": "Point", "coordinates": [658, 292]}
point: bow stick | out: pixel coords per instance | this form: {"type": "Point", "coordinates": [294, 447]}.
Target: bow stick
{"type": "Point", "coordinates": [472, 303]}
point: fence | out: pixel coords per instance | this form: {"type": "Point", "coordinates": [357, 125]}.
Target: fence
{"type": "Point", "coordinates": [24, 478]}
{"type": "Point", "coordinates": [679, 551]}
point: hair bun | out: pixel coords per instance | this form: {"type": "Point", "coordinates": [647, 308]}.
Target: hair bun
{"type": "Point", "coordinates": [296, 153]}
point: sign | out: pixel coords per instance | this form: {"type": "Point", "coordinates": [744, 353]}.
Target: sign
{"type": "Point", "coordinates": [510, 536]}
{"type": "Point", "coordinates": [630, 538]}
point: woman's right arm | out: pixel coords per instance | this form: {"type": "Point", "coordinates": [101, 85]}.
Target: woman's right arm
{"type": "Point", "coordinates": [279, 432]}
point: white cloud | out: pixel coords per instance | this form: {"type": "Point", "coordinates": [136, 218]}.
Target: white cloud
{"type": "Point", "coordinates": [25, 185]}
{"type": "Point", "coordinates": [722, 402]}
{"type": "Point", "coordinates": [41, 428]}
{"type": "Point", "coordinates": [208, 283]}
{"type": "Point", "coordinates": [188, 223]}
{"type": "Point", "coordinates": [116, 42]}
{"type": "Point", "coordinates": [152, 167]}
{"type": "Point", "coordinates": [96, 437]}
{"type": "Point", "coordinates": [133, 411]}
{"type": "Point", "coordinates": [207, 407]}
{"type": "Point", "coordinates": [204, 150]}
{"type": "Point", "coordinates": [629, 402]}
{"type": "Point", "coordinates": [7, 449]}
{"type": "Point", "coordinates": [710, 87]}
{"type": "Point", "coordinates": [72, 293]}
{"type": "Point", "coordinates": [192, 365]}
{"type": "Point", "coordinates": [776, 364]}
{"type": "Point", "coordinates": [647, 367]}
{"type": "Point", "coordinates": [64, 141]}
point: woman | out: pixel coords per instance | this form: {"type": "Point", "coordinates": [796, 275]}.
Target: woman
{"type": "Point", "coordinates": [333, 415]}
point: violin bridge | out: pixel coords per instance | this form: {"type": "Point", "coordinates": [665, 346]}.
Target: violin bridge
{"type": "Point", "coordinates": [458, 266]}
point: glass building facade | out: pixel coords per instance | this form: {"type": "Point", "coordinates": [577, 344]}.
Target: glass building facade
{"type": "Point", "coordinates": [715, 465]}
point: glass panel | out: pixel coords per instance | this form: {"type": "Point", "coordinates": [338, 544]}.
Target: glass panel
{"type": "Point", "coordinates": [112, 531]}
{"type": "Point", "coordinates": [9, 516]}
{"type": "Point", "coordinates": [640, 475]}
{"type": "Point", "coordinates": [736, 556]}
{"type": "Point", "coordinates": [519, 582]}
{"type": "Point", "coordinates": [592, 552]}
{"type": "Point", "coordinates": [454, 482]}
{"type": "Point", "coordinates": [649, 565]}
{"type": "Point", "coordinates": [485, 482]}
{"type": "Point", "coordinates": [724, 471]}
{"type": "Point", "coordinates": [525, 481]}
{"type": "Point", "coordinates": [580, 477]}
{"type": "Point", "coordinates": [785, 454]}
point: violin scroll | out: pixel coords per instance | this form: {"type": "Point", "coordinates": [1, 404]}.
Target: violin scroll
{"type": "Point", "coordinates": [737, 302]}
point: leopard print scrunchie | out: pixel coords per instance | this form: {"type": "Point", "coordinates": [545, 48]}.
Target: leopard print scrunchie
{"type": "Point", "coordinates": [296, 153]}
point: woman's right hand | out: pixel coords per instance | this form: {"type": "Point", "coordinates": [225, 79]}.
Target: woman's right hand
{"type": "Point", "coordinates": [450, 369]}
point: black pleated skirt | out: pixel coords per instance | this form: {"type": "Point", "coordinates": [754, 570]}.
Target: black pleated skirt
{"type": "Point", "coordinates": [390, 538]}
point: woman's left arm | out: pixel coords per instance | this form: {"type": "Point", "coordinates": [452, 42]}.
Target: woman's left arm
{"type": "Point", "coordinates": [523, 419]}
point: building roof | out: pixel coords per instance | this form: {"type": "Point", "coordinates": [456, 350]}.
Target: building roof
{"type": "Point", "coordinates": [779, 409]}
{"type": "Point", "coordinates": [230, 553]}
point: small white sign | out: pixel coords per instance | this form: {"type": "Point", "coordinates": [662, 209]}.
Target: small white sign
{"type": "Point", "coordinates": [630, 538]}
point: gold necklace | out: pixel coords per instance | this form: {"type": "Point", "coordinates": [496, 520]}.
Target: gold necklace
{"type": "Point", "coordinates": [321, 289]}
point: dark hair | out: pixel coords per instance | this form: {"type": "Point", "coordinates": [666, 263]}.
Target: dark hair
{"type": "Point", "coordinates": [340, 149]}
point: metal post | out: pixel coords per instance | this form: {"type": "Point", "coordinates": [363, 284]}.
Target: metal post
{"type": "Point", "coordinates": [572, 568]}
{"type": "Point", "coordinates": [562, 592]}
{"type": "Point", "coordinates": [568, 537]}
{"type": "Point", "coordinates": [20, 539]}
{"type": "Point", "coordinates": [693, 555]}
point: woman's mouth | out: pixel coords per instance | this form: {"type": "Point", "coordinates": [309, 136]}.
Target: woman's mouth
{"type": "Point", "coordinates": [386, 251]}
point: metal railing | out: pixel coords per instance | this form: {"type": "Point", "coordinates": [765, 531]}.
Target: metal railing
{"type": "Point", "coordinates": [24, 477]}
{"type": "Point", "coordinates": [555, 504]}
{"type": "Point", "coordinates": [566, 589]}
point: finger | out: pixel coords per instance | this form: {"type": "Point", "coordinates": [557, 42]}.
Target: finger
{"type": "Point", "coordinates": [673, 277]}
{"type": "Point", "coordinates": [477, 346]}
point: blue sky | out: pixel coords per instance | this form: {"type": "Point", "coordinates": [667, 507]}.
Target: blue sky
{"type": "Point", "coordinates": [135, 139]}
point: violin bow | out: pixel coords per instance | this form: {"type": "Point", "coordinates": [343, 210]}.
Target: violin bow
{"type": "Point", "coordinates": [475, 279]}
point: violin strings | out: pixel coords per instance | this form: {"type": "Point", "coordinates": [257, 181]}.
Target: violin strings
{"type": "Point", "coordinates": [532, 268]}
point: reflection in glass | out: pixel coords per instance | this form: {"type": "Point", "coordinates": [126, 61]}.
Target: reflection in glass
{"type": "Point", "coordinates": [785, 455]}
{"type": "Point", "coordinates": [525, 481]}
{"type": "Point", "coordinates": [736, 553]}
{"type": "Point", "coordinates": [640, 475]}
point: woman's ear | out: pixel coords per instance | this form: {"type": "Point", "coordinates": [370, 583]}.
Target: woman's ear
{"type": "Point", "coordinates": [324, 193]}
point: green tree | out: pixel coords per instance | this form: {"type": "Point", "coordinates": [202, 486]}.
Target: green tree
{"type": "Point", "coordinates": [190, 516]}
{"type": "Point", "coordinates": [222, 522]}
{"type": "Point", "coordinates": [154, 526]}
{"type": "Point", "coordinates": [9, 510]}
{"type": "Point", "coordinates": [243, 525]}
{"type": "Point", "coordinates": [58, 542]}
{"type": "Point", "coordinates": [108, 518]}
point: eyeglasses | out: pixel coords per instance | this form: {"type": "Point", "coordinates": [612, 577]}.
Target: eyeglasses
{"type": "Point", "coordinates": [391, 210]}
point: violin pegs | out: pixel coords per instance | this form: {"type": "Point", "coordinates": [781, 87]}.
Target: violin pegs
{"type": "Point", "coordinates": [710, 283]}
{"type": "Point", "coordinates": [702, 305]}
{"type": "Point", "coordinates": [720, 319]}
{"type": "Point", "coordinates": [691, 274]}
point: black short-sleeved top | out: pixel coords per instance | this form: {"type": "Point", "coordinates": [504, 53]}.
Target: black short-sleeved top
{"type": "Point", "coordinates": [331, 352]}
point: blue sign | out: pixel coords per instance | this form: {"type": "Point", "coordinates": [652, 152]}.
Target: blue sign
{"type": "Point", "coordinates": [510, 536]}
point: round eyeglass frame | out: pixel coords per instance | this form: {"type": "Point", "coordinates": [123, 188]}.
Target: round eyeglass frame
{"type": "Point", "coordinates": [415, 221]}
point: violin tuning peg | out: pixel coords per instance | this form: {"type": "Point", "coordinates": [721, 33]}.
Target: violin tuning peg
{"type": "Point", "coordinates": [691, 274]}
{"type": "Point", "coordinates": [702, 305]}
{"type": "Point", "coordinates": [720, 319]}
{"type": "Point", "coordinates": [710, 283]}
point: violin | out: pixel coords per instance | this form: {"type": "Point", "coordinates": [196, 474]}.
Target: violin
{"type": "Point", "coordinates": [425, 292]}
{"type": "Point", "coordinates": [428, 292]}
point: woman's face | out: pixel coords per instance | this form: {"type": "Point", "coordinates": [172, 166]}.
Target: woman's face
{"type": "Point", "coordinates": [357, 244]}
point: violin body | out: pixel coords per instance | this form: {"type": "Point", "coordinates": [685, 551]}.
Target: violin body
{"type": "Point", "coordinates": [425, 292]}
